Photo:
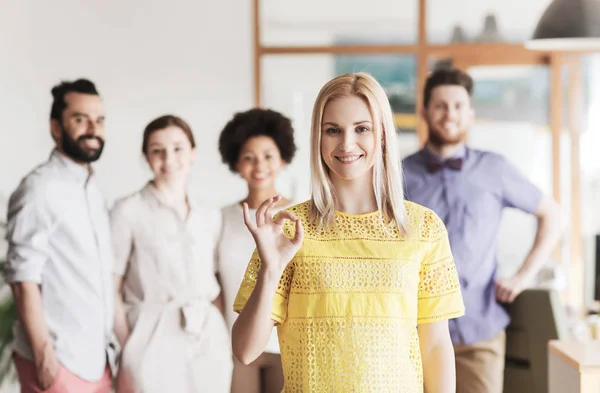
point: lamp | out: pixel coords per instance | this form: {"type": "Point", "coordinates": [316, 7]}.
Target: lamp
{"type": "Point", "coordinates": [568, 25]}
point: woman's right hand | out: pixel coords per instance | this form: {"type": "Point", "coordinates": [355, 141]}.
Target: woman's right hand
{"type": "Point", "coordinates": [274, 248]}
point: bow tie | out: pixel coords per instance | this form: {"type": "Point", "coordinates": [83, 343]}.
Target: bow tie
{"type": "Point", "coordinates": [452, 163]}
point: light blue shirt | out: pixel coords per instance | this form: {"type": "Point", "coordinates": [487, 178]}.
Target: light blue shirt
{"type": "Point", "coordinates": [59, 237]}
{"type": "Point", "coordinates": [470, 201]}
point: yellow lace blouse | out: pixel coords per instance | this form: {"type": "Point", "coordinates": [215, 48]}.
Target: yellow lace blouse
{"type": "Point", "coordinates": [348, 304]}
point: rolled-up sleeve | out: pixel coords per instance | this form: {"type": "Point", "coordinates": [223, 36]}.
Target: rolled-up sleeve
{"type": "Point", "coordinates": [28, 232]}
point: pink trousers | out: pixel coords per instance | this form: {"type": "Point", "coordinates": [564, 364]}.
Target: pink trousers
{"type": "Point", "coordinates": [65, 381]}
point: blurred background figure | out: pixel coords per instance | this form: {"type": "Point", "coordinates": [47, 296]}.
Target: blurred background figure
{"type": "Point", "coordinates": [168, 317]}
{"type": "Point", "coordinates": [257, 145]}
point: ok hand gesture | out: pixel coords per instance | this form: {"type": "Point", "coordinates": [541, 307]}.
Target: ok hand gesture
{"type": "Point", "coordinates": [274, 248]}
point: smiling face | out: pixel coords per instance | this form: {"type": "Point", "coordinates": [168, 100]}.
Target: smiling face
{"type": "Point", "coordinates": [80, 133]}
{"type": "Point", "coordinates": [170, 155]}
{"type": "Point", "coordinates": [260, 162]}
{"type": "Point", "coordinates": [348, 140]}
{"type": "Point", "coordinates": [448, 115]}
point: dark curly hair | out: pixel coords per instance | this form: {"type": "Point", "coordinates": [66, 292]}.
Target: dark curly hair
{"type": "Point", "coordinates": [256, 122]}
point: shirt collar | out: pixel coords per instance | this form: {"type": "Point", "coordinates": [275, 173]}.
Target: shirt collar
{"type": "Point", "coordinates": [429, 155]}
{"type": "Point", "coordinates": [151, 193]}
{"type": "Point", "coordinates": [79, 172]}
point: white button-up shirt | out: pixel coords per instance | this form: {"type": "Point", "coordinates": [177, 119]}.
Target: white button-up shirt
{"type": "Point", "coordinates": [59, 237]}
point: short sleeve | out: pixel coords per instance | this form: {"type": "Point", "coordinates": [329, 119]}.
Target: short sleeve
{"type": "Point", "coordinates": [280, 301]}
{"type": "Point", "coordinates": [517, 191]}
{"type": "Point", "coordinates": [440, 297]}
{"type": "Point", "coordinates": [29, 226]}
{"type": "Point", "coordinates": [122, 237]}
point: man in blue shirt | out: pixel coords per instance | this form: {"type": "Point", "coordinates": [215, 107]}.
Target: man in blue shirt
{"type": "Point", "coordinates": [469, 189]}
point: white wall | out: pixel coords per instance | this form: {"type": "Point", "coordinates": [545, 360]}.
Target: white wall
{"type": "Point", "coordinates": [190, 58]}
{"type": "Point", "coordinates": [316, 22]}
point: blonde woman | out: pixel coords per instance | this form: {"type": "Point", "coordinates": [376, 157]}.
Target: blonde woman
{"type": "Point", "coordinates": [168, 315]}
{"type": "Point", "coordinates": [359, 282]}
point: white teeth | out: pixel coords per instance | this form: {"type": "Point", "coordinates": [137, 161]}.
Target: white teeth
{"type": "Point", "coordinates": [450, 126]}
{"type": "Point", "coordinates": [348, 159]}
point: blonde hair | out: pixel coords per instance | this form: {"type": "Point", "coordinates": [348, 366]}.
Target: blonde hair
{"type": "Point", "coordinates": [387, 174]}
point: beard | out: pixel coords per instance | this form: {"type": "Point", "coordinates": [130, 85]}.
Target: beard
{"type": "Point", "coordinates": [75, 148]}
{"type": "Point", "coordinates": [439, 138]}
